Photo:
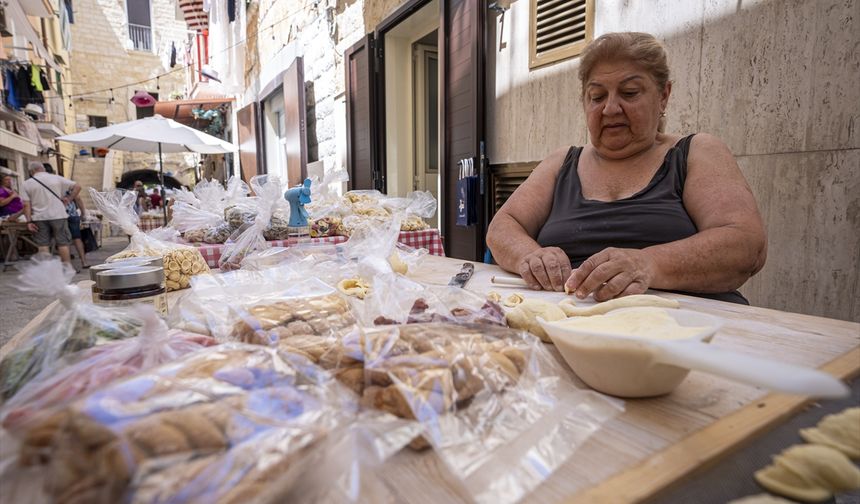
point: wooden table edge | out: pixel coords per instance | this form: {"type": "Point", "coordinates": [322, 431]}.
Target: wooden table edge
{"type": "Point", "coordinates": [704, 447]}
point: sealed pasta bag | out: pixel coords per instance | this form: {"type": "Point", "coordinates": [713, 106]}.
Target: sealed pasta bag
{"type": "Point", "coordinates": [414, 208]}
{"type": "Point", "coordinates": [250, 236]}
{"type": "Point", "coordinates": [181, 262]}
{"type": "Point", "coordinates": [232, 423]}
{"type": "Point", "coordinates": [327, 210]}
{"type": "Point", "coordinates": [88, 370]}
{"type": "Point", "coordinates": [402, 301]}
{"type": "Point", "coordinates": [167, 234]}
{"type": "Point", "coordinates": [493, 402]}
{"type": "Point", "coordinates": [207, 307]}
{"type": "Point", "coordinates": [194, 222]}
{"type": "Point", "coordinates": [70, 326]}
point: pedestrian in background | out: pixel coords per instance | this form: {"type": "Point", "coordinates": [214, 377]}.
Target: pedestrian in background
{"type": "Point", "coordinates": [76, 211]}
{"type": "Point", "coordinates": [45, 209]}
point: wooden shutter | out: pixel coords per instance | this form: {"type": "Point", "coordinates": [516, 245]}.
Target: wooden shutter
{"type": "Point", "coordinates": [462, 63]}
{"type": "Point", "coordinates": [249, 162]}
{"type": "Point", "coordinates": [360, 149]}
{"type": "Point", "coordinates": [295, 120]}
{"type": "Point", "coordinates": [505, 179]}
{"type": "Point", "coordinates": [559, 29]}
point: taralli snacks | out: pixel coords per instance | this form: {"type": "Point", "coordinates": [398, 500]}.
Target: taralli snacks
{"type": "Point", "coordinates": [181, 262]}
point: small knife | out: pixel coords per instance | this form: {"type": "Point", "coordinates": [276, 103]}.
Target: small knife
{"type": "Point", "coordinates": [461, 278]}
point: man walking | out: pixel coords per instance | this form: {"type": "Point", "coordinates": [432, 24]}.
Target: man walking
{"type": "Point", "coordinates": [45, 209]}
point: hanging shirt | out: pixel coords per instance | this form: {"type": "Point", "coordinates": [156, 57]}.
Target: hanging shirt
{"type": "Point", "coordinates": [46, 86]}
{"type": "Point", "coordinates": [35, 80]}
{"type": "Point", "coordinates": [11, 97]}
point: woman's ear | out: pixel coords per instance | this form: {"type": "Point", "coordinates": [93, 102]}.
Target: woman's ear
{"type": "Point", "coordinates": [664, 95]}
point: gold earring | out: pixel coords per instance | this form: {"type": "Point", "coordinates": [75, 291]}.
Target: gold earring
{"type": "Point", "coordinates": [663, 114]}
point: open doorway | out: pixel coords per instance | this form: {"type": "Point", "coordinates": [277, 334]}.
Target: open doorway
{"type": "Point", "coordinates": [412, 112]}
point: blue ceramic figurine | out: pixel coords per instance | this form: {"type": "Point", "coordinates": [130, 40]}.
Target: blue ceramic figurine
{"type": "Point", "coordinates": [298, 197]}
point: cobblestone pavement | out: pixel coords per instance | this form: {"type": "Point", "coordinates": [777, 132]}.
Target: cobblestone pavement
{"type": "Point", "coordinates": [17, 309]}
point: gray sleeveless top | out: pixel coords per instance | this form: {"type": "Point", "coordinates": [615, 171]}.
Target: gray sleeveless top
{"type": "Point", "coordinates": [653, 216]}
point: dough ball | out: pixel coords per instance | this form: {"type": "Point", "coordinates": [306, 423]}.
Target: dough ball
{"type": "Point", "coordinates": [810, 473]}
{"type": "Point", "coordinates": [840, 431]}
{"type": "Point", "coordinates": [397, 264]}
{"type": "Point", "coordinates": [513, 300]}
{"type": "Point", "coordinates": [524, 316]}
{"type": "Point", "coordinates": [494, 297]}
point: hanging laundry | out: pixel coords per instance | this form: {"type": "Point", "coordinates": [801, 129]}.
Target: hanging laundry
{"type": "Point", "coordinates": [69, 11]}
{"type": "Point", "coordinates": [34, 78]}
{"type": "Point", "coordinates": [11, 97]}
{"type": "Point", "coordinates": [23, 87]}
{"type": "Point", "coordinates": [231, 10]}
{"type": "Point", "coordinates": [44, 78]}
{"type": "Point", "coordinates": [172, 54]}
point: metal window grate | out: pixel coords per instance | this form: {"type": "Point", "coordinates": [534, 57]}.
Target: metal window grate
{"type": "Point", "coordinates": [559, 29]}
{"type": "Point", "coordinates": [141, 37]}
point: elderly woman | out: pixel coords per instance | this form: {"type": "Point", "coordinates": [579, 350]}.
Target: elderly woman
{"type": "Point", "coordinates": [636, 208]}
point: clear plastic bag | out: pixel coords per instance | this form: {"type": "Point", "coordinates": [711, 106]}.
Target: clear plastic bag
{"type": "Point", "coordinates": [413, 209]}
{"type": "Point", "coordinates": [250, 237]}
{"type": "Point", "coordinates": [181, 262]}
{"type": "Point", "coordinates": [70, 326]}
{"type": "Point", "coordinates": [493, 402]}
{"type": "Point", "coordinates": [232, 423]}
{"type": "Point", "coordinates": [95, 367]}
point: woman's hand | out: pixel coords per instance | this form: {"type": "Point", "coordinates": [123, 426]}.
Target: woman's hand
{"type": "Point", "coordinates": [545, 268]}
{"type": "Point", "coordinates": [613, 272]}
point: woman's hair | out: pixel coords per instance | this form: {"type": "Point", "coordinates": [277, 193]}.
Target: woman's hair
{"type": "Point", "coordinates": [639, 48]}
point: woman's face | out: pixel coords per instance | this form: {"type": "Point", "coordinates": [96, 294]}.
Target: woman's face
{"type": "Point", "coordinates": [7, 181]}
{"type": "Point", "coordinates": [622, 106]}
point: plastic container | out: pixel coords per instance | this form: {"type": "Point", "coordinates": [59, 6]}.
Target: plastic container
{"type": "Point", "coordinates": [122, 263]}
{"type": "Point", "coordinates": [130, 285]}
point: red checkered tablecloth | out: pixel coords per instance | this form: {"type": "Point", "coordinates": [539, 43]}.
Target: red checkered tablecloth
{"type": "Point", "coordinates": [150, 222]}
{"type": "Point", "coordinates": [428, 239]}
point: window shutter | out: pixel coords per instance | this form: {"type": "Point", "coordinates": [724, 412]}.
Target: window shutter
{"type": "Point", "coordinates": [559, 29]}
{"type": "Point", "coordinates": [506, 179]}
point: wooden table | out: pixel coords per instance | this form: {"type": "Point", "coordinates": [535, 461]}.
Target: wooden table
{"type": "Point", "coordinates": [658, 441]}
{"type": "Point", "coordinates": [14, 231]}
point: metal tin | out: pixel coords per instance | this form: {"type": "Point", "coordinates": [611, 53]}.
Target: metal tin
{"type": "Point", "coordinates": [130, 285]}
{"type": "Point", "coordinates": [124, 263]}
{"type": "Point", "coordinates": [130, 277]}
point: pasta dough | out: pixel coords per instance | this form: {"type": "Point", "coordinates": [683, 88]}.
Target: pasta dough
{"type": "Point", "coordinates": [840, 431]}
{"type": "Point", "coordinates": [571, 310]}
{"type": "Point", "coordinates": [650, 323]}
{"type": "Point", "coordinates": [810, 473]}
{"type": "Point", "coordinates": [524, 316]}
{"type": "Point", "coordinates": [513, 300]}
{"type": "Point", "coordinates": [761, 499]}
{"type": "Point", "coordinates": [354, 287]}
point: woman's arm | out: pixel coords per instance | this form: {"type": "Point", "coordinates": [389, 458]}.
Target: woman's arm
{"type": "Point", "coordinates": [8, 199]}
{"type": "Point", "coordinates": [511, 235]}
{"type": "Point", "coordinates": [728, 249]}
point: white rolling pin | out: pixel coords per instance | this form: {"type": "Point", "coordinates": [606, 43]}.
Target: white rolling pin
{"type": "Point", "coordinates": [508, 280]}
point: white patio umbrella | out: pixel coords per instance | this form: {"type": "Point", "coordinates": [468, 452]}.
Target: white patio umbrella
{"type": "Point", "coordinates": [152, 134]}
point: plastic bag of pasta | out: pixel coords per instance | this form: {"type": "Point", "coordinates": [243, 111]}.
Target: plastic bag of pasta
{"type": "Point", "coordinates": [181, 262]}
{"type": "Point", "coordinates": [71, 325]}
{"type": "Point", "coordinates": [84, 372]}
{"type": "Point", "coordinates": [327, 210]}
{"type": "Point", "coordinates": [232, 424]}
{"type": "Point", "coordinates": [493, 401]}
{"type": "Point", "coordinates": [193, 222]}
{"type": "Point", "coordinates": [413, 209]}
{"type": "Point", "coordinates": [250, 237]}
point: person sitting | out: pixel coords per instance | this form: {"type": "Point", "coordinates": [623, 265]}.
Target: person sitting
{"type": "Point", "coordinates": [11, 205]}
{"type": "Point", "coordinates": [155, 198]}
{"type": "Point", "coordinates": [45, 209]}
{"type": "Point", "coordinates": [635, 208]}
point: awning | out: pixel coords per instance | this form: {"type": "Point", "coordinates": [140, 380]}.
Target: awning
{"type": "Point", "coordinates": [195, 17]}
{"type": "Point", "coordinates": [180, 110]}
{"type": "Point", "coordinates": [23, 27]}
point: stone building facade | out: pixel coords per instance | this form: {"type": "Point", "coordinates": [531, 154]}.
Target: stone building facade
{"type": "Point", "coordinates": [103, 55]}
{"type": "Point", "coordinates": [775, 80]}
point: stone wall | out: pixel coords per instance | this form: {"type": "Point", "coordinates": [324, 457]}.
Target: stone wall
{"type": "Point", "coordinates": [777, 81]}
{"type": "Point", "coordinates": [102, 57]}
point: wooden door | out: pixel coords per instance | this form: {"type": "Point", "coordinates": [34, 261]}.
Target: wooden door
{"type": "Point", "coordinates": [249, 161]}
{"type": "Point", "coordinates": [295, 120]}
{"type": "Point", "coordinates": [360, 145]}
{"type": "Point", "coordinates": [462, 94]}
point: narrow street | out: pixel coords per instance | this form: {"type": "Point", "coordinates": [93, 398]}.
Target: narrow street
{"type": "Point", "coordinates": [19, 308]}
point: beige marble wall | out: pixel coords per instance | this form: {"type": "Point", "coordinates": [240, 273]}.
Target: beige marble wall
{"type": "Point", "coordinates": [776, 80]}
